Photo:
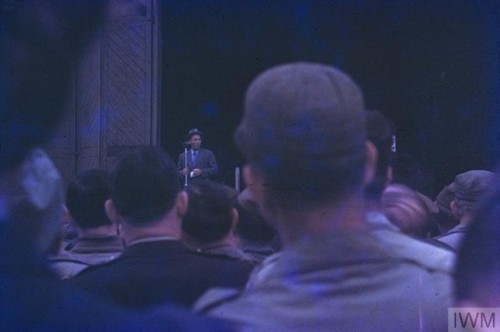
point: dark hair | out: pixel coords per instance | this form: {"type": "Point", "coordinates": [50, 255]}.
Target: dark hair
{"type": "Point", "coordinates": [144, 185]}
{"type": "Point", "coordinates": [478, 262]}
{"type": "Point", "coordinates": [85, 198]}
{"type": "Point", "coordinates": [209, 215]}
{"type": "Point", "coordinates": [251, 225]}
{"type": "Point", "coordinates": [379, 131]}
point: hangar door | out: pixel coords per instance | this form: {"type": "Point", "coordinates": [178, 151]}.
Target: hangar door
{"type": "Point", "coordinates": [114, 101]}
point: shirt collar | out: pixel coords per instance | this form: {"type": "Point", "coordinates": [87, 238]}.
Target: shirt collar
{"type": "Point", "coordinates": [152, 239]}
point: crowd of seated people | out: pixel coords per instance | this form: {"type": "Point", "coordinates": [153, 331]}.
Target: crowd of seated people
{"type": "Point", "coordinates": [148, 201]}
{"type": "Point", "coordinates": [320, 239]}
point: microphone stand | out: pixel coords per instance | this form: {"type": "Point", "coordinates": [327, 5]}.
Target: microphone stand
{"type": "Point", "coordinates": [186, 165]}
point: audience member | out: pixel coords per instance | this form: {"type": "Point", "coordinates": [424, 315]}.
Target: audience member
{"type": "Point", "coordinates": [413, 214]}
{"type": "Point", "coordinates": [303, 134]}
{"type": "Point", "coordinates": [433, 213]}
{"type": "Point", "coordinates": [379, 131]}
{"type": "Point", "coordinates": [478, 264]}
{"type": "Point", "coordinates": [32, 298]}
{"type": "Point", "coordinates": [405, 209]}
{"type": "Point", "coordinates": [258, 237]}
{"type": "Point", "coordinates": [98, 241]}
{"type": "Point", "coordinates": [470, 187]}
{"type": "Point", "coordinates": [209, 226]}
{"type": "Point", "coordinates": [148, 200]}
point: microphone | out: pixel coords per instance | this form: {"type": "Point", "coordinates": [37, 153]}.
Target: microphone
{"type": "Point", "coordinates": [186, 145]}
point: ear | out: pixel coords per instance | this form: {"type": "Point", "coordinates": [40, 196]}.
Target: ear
{"type": "Point", "coordinates": [371, 162]}
{"type": "Point", "coordinates": [389, 175]}
{"type": "Point", "coordinates": [248, 176]}
{"type": "Point", "coordinates": [253, 180]}
{"type": "Point", "coordinates": [69, 221]}
{"type": "Point", "coordinates": [181, 203]}
{"type": "Point", "coordinates": [233, 233]}
{"type": "Point", "coordinates": [110, 208]}
{"type": "Point", "coordinates": [67, 218]}
{"type": "Point", "coordinates": [454, 209]}
{"type": "Point", "coordinates": [56, 244]}
{"type": "Point", "coordinates": [235, 217]}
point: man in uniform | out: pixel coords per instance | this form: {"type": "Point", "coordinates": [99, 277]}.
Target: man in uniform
{"type": "Point", "coordinates": [469, 188]}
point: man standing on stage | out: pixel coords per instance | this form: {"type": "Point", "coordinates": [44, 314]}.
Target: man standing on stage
{"type": "Point", "coordinates": [197, 162]}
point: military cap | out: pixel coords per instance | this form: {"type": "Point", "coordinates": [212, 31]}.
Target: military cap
{"type": "Point", "coordinates": [471, 186]}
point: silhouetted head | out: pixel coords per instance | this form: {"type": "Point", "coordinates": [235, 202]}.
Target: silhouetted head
{"type": "Point", "coordinates": [380, 133]}
{"type": "Point", "coordinates": [478, 264]}
{"type": "Point", "coordinates": [144, 185]}
{"type": "Point", "coordinates": [406, 209]}
{"type": "Point", "coordinates": [85, 198]}
{"type": "Point", "coordinates": [470, 187]}
{"type": "Point", "coordinates": [252, 226]}
{"type": "Point", "coordinates": [210, 214]}
{"type": "Point", "coordinates": [303, 131]}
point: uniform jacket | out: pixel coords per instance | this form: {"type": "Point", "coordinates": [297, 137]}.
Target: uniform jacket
{"type": "Point", "coordinates": [33, 299]}
{"type": "Point", "coordinates": [227, 250]}
{"type": "Point", "coordinates": [152, 273]}
{"type": "Point", "coordinates": [85, 252]}
{"type": "Point", "coordinates": [454, 236]}
{"type": "Point", "coordinates": [349, 280]}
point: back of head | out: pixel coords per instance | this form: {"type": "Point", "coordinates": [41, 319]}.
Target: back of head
{"type": "Point", "coordinates": [85, 198]}
{"type": "Point", "coordinates": [406, 209]}
{"type": "Point", "coordinates": [303, 130]}
{"type": "Point", "coordinates": [144, 185]}
{"type": "Point", "coordinates": [470, 187]}
{"type": "Point", "coordinates": [209, 215]}
{"type": "Point", "coordinates": [252, 226]}
{"type": "Point", "coordinates": [380, 133]}
{"type": "Point", "coordinates": [478, 263]}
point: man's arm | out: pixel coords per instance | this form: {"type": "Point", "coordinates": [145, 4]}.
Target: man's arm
{"type": "Point", "coordinates": [212, 167]}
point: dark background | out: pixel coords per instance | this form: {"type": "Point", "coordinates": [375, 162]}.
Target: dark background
{"type": "Point", "coordinates": [432, 67]}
